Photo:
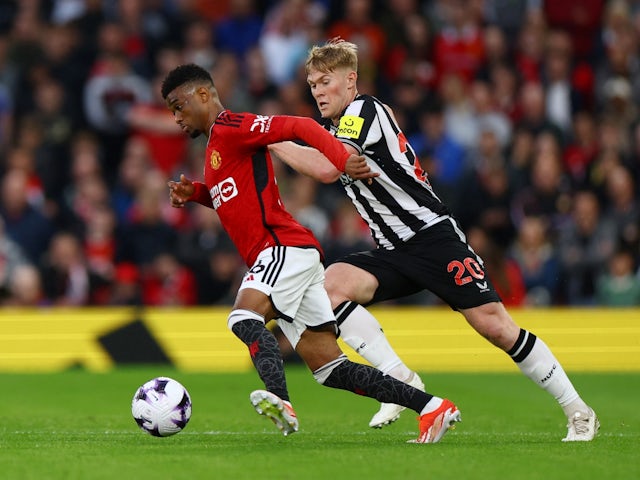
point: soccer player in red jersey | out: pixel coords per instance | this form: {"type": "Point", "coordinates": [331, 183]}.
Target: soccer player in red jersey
{"type": "Point", "coordinates": [285, 280]}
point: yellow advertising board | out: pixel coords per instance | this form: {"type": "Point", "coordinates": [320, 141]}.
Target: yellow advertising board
{"type": "Point", "coordinates": [197, 339]}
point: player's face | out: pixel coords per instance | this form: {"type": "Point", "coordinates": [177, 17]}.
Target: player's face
{"type": "Point", "coordinates": [183, 105]}
{"type": "Point", "coordinates": [332, 91]}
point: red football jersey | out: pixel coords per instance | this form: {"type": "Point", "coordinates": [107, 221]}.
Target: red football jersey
{"type": "Point", "coordinates": [240, 184]}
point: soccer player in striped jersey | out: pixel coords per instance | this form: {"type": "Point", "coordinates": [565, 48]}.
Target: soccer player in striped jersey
{"type": "Point", "coordinates": [419, 243]}
{"type": "Point", "coordinates": [285, 280]}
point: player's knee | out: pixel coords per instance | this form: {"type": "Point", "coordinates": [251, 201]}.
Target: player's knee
{"type": "Point", "coordinates": [322, 374]}
{"type": "Point", "coordinates": [494, 323]}
{"type": "Point", "coordinates": [239, 314]}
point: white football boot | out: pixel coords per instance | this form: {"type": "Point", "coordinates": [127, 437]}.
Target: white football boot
{"type": "Point", "coordinates": [582, 427]}
{"type": "Point", "coordinates": [390, 412]}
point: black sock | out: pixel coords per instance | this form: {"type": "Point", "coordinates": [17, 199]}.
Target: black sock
{"type": "Point", "coordinates": [265, 355]}
{"type": "Point", "coordinates": [367, 381]}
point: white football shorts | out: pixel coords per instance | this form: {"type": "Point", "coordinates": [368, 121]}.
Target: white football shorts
{"type": "Point", "coordinates": [293, 278]}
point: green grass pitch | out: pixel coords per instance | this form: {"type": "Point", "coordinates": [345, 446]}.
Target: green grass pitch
{"type": "Point", "coordinates": [78, 425]}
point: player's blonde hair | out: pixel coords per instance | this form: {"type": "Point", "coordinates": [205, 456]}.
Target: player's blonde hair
{"type": "Point", "coordinates": [336, 53]}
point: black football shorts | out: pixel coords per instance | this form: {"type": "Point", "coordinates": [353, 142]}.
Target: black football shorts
{"type": "Point", "coordinates": [437, 259]}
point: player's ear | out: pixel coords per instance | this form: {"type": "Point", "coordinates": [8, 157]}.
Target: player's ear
{"type": "Point", "coordinates": [352, 78]}
{"type": "Point", "coordinates": [203, 93]}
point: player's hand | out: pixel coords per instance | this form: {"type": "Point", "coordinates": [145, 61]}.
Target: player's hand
{"type": "Point", "coordinates": [179, 192]}
{"type": "Point", "coordinates": [357, 168]}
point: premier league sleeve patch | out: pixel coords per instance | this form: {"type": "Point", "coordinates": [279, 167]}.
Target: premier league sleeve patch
{"type": "Point", "coordinates": [350, 126]}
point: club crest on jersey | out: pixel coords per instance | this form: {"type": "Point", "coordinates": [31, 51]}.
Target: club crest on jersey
{"type": "Point", "coordinates": [350, 126]}
{"type": "Point", "coordinates": [215, 160]}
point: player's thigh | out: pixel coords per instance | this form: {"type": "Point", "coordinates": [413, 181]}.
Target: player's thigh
{"type": "Point", "coordinates": [344, 281]}
{"type": "Point", "coordinates": [318, 346]}
{"type": "Point", "coordinates": [255, 301]}
{"type": "Point", "coordinates": [314, 311]}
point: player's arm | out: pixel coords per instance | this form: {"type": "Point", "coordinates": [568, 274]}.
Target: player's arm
{"type": "Point", "coordinates": [307, 130]}
{"type": "Point", "coordinates": [306, 160]}
{"type": "Point", "coordinates": [187, 191]}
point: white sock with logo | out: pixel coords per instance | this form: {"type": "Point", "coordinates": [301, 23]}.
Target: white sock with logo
{"type": "Point", "coordinates": [536, 361]}
{"type": "Point", "coordinates": [362, 332]}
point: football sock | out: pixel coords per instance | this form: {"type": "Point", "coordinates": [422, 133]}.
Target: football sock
{"type": "Point", "coordinates": [265, 354]}
{"type": "Point", "coordinates": [536, 361]}
{"type": "Point", "coordinates": [370, 382]}
{"type": "Point", "coordinates": [362, 332]}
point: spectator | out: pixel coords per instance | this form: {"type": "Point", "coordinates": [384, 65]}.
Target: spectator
{"type": "Point", "coordinates": [155, 126]}
{"type": "Point", "coordinates": [492, 195]}
{"type": "Point", "coordinates": [359, 25]}
{"type": "Point", "coordinates": [109, 94]}
{"type": "Point", "coordinates": [459, 45]}
{"type": "Point", "coordinates": [529, 51]}
{"type": "Point", "coordinates": [239, 31]}
{"type": "Point", "coordinates": [300, 202]}
{"type": "Point", "coordinates": [166, 282]}
{"type": "Point", "coordinates": [11, 259]}
{"type": "Point", "coordinates": [623, 205]}
{"type": "Point", "coordinates": [562, 98]}
{"type": "Point", "coordinates": [148, 233]}
{"type": "Point", "coordinates": [582, 149]}
{"type": "Point", "coordinates": [99, 243]}
{"type": "Point", "coordinates": [439, 153]}
{"type": "Point", "coordinates": [619, 286]}
{"type": "Point", "coordinates": [289, 29]}
{"type": "Point", "coordinates": [520, 158]}
{"type": "Point", "coordinates": [135, 164]}
{"type": "Point", "coordinates": [125, 288]}
{"type": "Point", "coordinates": [585, 246]}
{"type": "Point", "coordinates": [25, 288]}
{"type": "Point", "coordinates": [412, 58]}
{"type": "Point", "coordinates": [66, 278]}
{"type": "Point", "coordinates": [534, 252]}
{"type": "Point", "coordinates": [532, 108]}
{"type": "Point", "coordinates": [497, 51]}
{"type": "Point", "coordinates": [198, 43]}
{"type": "Point", "coordinates": [549, 191]}
{"type": "Point", "coordinates": [24, 224]}
{"type": "Point", "coordinates": [207, 251]}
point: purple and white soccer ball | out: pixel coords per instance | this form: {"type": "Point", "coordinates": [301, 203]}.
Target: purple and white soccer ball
{"type": "Point", "coordinates": [161, 407]}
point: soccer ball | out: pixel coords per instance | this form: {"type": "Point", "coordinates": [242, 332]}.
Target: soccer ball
{"type": "Point", "coordinates": [161, 407]}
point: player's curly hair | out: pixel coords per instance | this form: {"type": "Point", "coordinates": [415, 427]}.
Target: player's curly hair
{"type": "Point", "coordinates": [336, 53]}
{"type": "Point", "coordinates": [189, 73]}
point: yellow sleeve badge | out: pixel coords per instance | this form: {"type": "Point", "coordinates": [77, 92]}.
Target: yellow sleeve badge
{"type": "Point", "coordinates": [350, 126]}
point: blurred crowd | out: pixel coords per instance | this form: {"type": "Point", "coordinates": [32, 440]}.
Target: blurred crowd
{"type": "Point", "coordinates": [524, 113]}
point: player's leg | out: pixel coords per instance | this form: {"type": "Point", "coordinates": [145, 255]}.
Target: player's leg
{"type": "Point", "coordinates": [252, 309]}
{"type": "Point", "coordinates": [314, 339]}
{"type": "Point", "coordinates": [348, 287]}
{"type": "Point", "coordinates": [331, 368]}
{"type": "Point", "coordinates": [453, 271]}
{"type": "Point", "coordinates": [535, 360]}
{"type": "Point", "coordinates": [247, 322]}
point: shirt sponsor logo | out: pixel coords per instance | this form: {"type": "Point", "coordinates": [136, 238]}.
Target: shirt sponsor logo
{"type": "Point", "coordinates": [261, 123]}
{"type": "Point", "coordinates": [223, 192]}
{"type": "Point", "coordinates": [350, 126]}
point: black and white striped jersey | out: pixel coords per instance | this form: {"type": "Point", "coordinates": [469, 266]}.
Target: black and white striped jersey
{"type": "Point", "coordinates": [400, 202]}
